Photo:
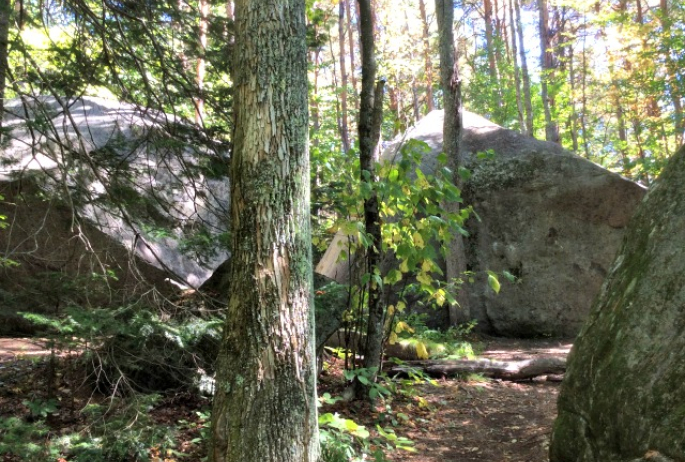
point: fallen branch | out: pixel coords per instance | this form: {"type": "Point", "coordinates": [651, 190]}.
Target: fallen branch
{"type": "Point", "coordinates": [512, 370]}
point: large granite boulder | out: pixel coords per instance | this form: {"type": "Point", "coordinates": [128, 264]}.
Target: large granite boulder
{"type": "Point", "coordinates": [623, 397]}
{"type": "Point", "coordinates": [551, 218]}
{"type": "Point", "coordinates": [105, 200]}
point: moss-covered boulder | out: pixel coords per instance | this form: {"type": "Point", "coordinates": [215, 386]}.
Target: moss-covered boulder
{"type": "Point", "coordinates": [623, 397]}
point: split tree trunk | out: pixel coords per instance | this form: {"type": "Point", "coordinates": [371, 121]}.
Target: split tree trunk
{"type": "Point", "coordinates": [265, 397]}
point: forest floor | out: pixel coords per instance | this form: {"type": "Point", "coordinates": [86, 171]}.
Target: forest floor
{"type": "Point", "coordinates": [466, 420]}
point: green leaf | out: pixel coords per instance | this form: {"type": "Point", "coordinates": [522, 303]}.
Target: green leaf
{"type": "Point", "coordinates": [493, 282]}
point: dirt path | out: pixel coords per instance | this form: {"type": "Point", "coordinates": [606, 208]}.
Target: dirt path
{"type": "Point", "coordinates": [481, 420]}
{"type": "Point", "coordinates": [474, 420]}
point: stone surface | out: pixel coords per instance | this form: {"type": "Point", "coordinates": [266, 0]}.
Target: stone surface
{"type": "Point", "coordinates": [92, 185]}
{"type": "Point", "coordinates": [547, 216]}
{"type": "Point", "coordinates": [623, 397]}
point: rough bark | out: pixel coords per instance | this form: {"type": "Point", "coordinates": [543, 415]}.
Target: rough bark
{"type": "Point", "coordinates": [427, 62]}
{"type": "Point", "coordinates": [507, 370]}
{"type": "Point", "coordinates": [265, 397]}
{"type": "Point", "coordinates": [452, 132]}
{"type": "Point", "coordinates": [370, 118]}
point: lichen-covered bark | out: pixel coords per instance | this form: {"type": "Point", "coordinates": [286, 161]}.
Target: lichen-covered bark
{"type": "Point", "coordinates": [265, 401]}
{"type": "Point", "coordinates": [623, 397]}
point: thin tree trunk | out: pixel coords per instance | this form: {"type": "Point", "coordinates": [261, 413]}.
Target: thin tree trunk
{"type": "Point", "coordinates": [517, 71]}
{"type": "Point", "coordinates": [370, 119]}
{"type": "Point", "coordinates": [265, 397]}
{"type": "Point", "coordinates": [4, 46]}
{"type": "Point", "coordinates": [452, 132]}
{"type": "Point", "coordinates": [350, 35]}
{"type": "Point", "coordinates": [528, 101]}
{"type": "Point", "coordinates": [546, 70]}
{"type": "Point", "coordinates": [572, 102]}
{"type": "Point", "coordinates": [201, 66]}
{"type": "Point", "coordinates": [491, 54]}
{"type": "Point", "coordinates": [583, 115]}
{"type": "Point", "coordinates": [428, 64]}
{"type": "Point", "coordinates": [344, 129]}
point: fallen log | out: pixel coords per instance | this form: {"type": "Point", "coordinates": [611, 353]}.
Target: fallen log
{"type": "Point", "coordinates": [506, 370]}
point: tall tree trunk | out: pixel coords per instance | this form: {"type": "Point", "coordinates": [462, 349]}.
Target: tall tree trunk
{"type": "Point", "coordinates": [350, 35]}
{"type": "Point", "coordinates": [428, 64]}
{"type": "Point", "coordinates": [574, 114]}
{"type": "Point", "coordinates": [370, 119]}
{"type": "Point", "coordinates": [201, 66]}
{"type": "Point", "coordinates": [265, 396]}
{"type": "Point", "coordinates": [517, 71]}
{"type": "Point", "coordinates": [344, 128]}
{"type": "Point", "coordinates": [546, 70]}
{"type": "Point", "coordinates": [528, 101]}
{"type": "Point", "coordinates": [583, 83]}
{"type": "Point", "coordinates": [491, 54]}
{"type": "Point", "coordinates": [5, 12]}
{"type": "Point", "coordinates": [452, 132]}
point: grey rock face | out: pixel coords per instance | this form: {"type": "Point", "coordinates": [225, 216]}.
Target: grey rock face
{"type": "Point", "coordinates": [623, 397]}
{"type": "Point", "coordinates": [547, 216]}
{"type": "Point", "coordinates": [139, 192]}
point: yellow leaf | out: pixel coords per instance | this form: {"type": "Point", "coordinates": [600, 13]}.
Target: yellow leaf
{"type": "Point", "coordinates": [440, 297]}
{"type": "Point", "coordinates": [403, 327]}
{"type": "Point", "coordinates": [421, 350]}
{"type": "Point", "coordinates": [418, 240]}
{"type": "Point", "coordinates": [391, 310]}
{"type": "Point", "coordinates": [392, 339]}
{"type": "Point", "coordinates": [404, 266]}
{"type": "Point", "coordinates": [424, 278]}
{"type": "Point", "coordinates": [426, 266]}
{"type": "Point", "coordinates": [401, 306]}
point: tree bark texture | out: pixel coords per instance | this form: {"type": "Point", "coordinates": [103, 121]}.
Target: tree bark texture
{"type": "Point", "coordinates": [370, 118]}
{"type": "Point", "coordinates": [265, 397]}
{"type": "Point", "coordinates": [452, 130]}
